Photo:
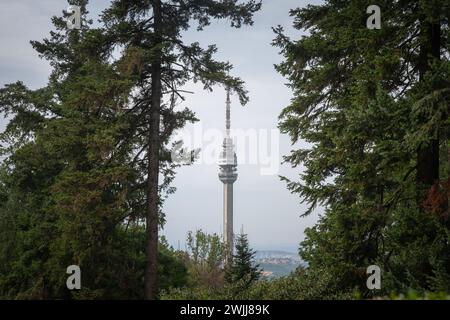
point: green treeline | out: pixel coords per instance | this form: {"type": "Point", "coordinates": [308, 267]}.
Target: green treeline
{"type": "Point", "coordinates": [86, 163]}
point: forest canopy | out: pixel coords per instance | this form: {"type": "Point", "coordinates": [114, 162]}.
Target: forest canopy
{"type": "Point", "coordinates": [86, 159]}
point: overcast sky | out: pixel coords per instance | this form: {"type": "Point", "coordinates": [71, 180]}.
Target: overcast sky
{"type": "Point", "coordinates": [263, 206]}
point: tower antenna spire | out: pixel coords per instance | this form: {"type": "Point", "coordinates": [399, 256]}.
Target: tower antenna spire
{"type": "Point", "coordinates": [228, 113]}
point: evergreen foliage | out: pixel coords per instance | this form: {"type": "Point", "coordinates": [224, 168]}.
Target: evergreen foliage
{"type": "Point", "coordinates": [242, 269]}
{"type": "Point", "coordinates": [82, 157]}
{"type": "Point", "coordinates": [371, 104]}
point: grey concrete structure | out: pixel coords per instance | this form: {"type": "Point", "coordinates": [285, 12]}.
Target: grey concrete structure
{"type": "Point", "coordinates": [228, 175]}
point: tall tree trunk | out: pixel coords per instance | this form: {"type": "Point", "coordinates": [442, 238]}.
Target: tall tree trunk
{"type": "Point", "coordinates": [428, 156]}
{"type": "Point", "coordinates": [447, 183]}
{"type": "Point", "coordinates": [153, 163]}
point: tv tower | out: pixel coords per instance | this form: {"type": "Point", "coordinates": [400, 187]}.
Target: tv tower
{"type": "Point", "coordinates": [228, 175]}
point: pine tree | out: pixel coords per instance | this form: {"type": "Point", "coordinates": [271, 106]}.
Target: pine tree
{"type": "Point", "coordinates": [242, 270]}
{"type": "Point", "coordinates": [67, 183]}
{"type": "Point", "coordinates": [153, 49]}
{"type": "Point", "coordinates": [99, 134]}
{"type": "Point", "coordinates": [373, 107]}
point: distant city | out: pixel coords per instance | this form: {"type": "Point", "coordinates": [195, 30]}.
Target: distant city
{"type": "Point", "coordinates": [276, 263]}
